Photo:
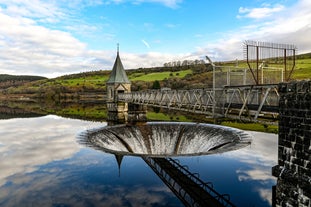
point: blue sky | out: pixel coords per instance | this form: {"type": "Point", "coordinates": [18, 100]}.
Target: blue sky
{"type": "Point", "coordinates": [53, 38]}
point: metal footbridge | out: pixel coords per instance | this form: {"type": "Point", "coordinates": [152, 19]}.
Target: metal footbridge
{"type": "Point", "coordinates": [255, 103]}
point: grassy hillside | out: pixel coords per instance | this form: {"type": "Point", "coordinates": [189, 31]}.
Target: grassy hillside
{"type": "Point", "coordinates": [160, 76]}
{"type": "Point", "coordinates": [7, 81]}
{"type": "Point", "coordinates": [303, 65]}
{"type": "Point", "coordinates": [6, 77]}
{"type": "Point", "coordinates": [303, 69]}
{"type": "Point", "coordinates": [95, 81]}
{"type": "Point", "coordinates": [179, 77]}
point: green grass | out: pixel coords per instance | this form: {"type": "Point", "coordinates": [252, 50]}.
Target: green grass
{"type": "Point", "coordinates": [152, 116]}
{"type": "Point", "coordinates": [252, 126]}
{"type": "Point", "coordinates": [91, 81]}
{"type": "Point", "coordinates": [87, 82]}
{"type": "Point", "coordinates": [303, 69]}
{"type": "Point", "coordinates": [166, 117]}
{"type": "Point", "coordinates": [158, 76]}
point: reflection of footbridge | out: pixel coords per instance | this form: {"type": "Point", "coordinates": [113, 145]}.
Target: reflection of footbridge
{"type": "Point", "coordinates": [187, 186]}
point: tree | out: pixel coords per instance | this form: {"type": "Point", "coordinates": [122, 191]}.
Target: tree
{"type": "Point", "coordinates": [156, 85]}
{"type": "Point", "coordinates": [185, 63]}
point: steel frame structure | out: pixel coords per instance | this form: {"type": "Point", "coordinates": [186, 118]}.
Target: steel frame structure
{"type": "Point", "coordinates": [256, 53]}
{"type": "Point", "coordinates": [197, 101]}
{"type": "Point", "coordinates": [252, 103]}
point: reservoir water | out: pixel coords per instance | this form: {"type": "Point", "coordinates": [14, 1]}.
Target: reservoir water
{"type": "Point", "coordinates": [43, 163]}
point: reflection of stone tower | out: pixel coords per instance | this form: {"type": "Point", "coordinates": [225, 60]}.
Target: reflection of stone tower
{"type": "Point", "coordinates": [119, 159]}
{"type": "Point", "coordinates": [117, 83]}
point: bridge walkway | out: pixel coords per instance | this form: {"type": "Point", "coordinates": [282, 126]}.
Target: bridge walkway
{"type": "Point", "coordinates": [254, 103]}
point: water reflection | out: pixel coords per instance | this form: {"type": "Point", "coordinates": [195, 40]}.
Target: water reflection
{"type": "Point", "coordinates": [258, 159]}
{"type": "Point", "coordinates": [172, 139]}
{"type": "Point", "coordinates": [42, 165]}
{"type": "Point", "coordinates": [28, 143]}
{"type": "Point", "coordinates": [68, 183]}
{"type": "Point", "coordinates": [7, 112]}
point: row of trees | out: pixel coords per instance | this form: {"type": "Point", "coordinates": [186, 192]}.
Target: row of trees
{"type": "Point", "coordinates": [184, 63]}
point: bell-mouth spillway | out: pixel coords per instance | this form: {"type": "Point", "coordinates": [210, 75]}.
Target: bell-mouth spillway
{"type": "Point", "coordinates": [166, 139]}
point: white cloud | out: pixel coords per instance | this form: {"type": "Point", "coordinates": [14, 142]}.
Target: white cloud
{"type": "Point", "coordinates": [34, 49]}
{"type": "Point", "coordinates": [287, 26]}
{"type": "Point", "coordinates": [36, 37]}
{"type": "Point", "coordinates": [258, 13]}
{"type": "Point", "coordinates": [172, 26]}
{"type": "Point", "coordinates": [151, 59]}
{"type": "Point", "coordinates": [168, 3]}
{"type": "Point", "coordinates": [42, 11]}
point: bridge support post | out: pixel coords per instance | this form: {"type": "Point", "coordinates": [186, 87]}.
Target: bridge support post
{"type": "Point", "coordinates": [294, 149]}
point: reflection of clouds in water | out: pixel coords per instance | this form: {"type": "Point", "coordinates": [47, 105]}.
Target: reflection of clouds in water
{"type": "Point", "coordinates": [263, 149]}
{"type": "Point", "coordinates": [26, 143]}
{"type": "Point", "coordinates": [29, 177]}
{"type": "Point", "coordinates": [138, 196]}
{"type": "Point", "coordinates": [265, 194]}
{"type": "Point", "coordinates": [254, 174]}
{"type": "Point", "coordinates": [260, 157]}
{"type": "Point", "coordinates": [67, 183]}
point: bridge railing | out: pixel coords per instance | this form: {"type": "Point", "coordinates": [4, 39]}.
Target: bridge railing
{"type": "Point", "coordinates": [196, 100]}
{"type": "Point", "coordinates": [255, 103]}
{"type": "Point", "coordinates": [249, 102]}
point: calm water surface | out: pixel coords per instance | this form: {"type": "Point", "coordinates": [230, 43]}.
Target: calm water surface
{"type": "Point", "coordinates": [42, 164]}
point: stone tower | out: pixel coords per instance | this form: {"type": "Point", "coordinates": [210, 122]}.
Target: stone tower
{"type": "Point", "coordinates": [117, 83]}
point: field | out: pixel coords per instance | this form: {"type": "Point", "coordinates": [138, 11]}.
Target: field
{"type": "Point", "coordinates": [166, 117]}
{"type": "Point", "coordinates": [303, 69]}
{"type": "Point", "coordinates": [159, 76]}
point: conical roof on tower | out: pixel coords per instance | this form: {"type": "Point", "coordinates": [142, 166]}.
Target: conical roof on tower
{"type": "Point", "coordinates": [118, 74]}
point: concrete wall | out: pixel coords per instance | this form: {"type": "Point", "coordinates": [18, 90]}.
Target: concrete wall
{"type": "Point", "coordinates": [294, 151]}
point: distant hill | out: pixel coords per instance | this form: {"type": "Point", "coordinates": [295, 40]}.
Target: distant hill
{"type": "Point", "coordinates": [7, 81]}
{"type": "Point", "coordinates": [304, 56]}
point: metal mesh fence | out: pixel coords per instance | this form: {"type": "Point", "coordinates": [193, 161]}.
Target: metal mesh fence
{"type": "Point", "coordinates": [234, 76]}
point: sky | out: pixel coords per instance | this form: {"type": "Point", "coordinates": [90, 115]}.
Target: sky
{"type": "Point", "coordinates": [56, 37]}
